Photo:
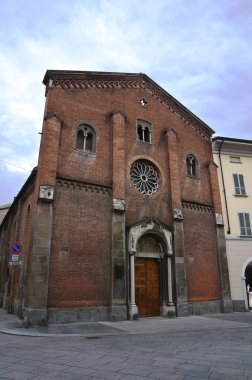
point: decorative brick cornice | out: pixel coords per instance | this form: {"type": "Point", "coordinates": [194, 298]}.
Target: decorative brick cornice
{"type": "Point", "coordinates": [78, 185]}
{"type": "Point", "coordinates": [105, 81]}
{"type": "Point", "coordinates": [68, 84]}
{"type": "Point", "coordinates": [197, 207]}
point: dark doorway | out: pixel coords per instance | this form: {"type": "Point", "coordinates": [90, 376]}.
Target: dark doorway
{"type": "Point", "coordinates": [248, 275]}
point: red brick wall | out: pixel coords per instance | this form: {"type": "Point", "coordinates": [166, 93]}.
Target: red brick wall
{"type": "Point", "coordinates": [73, 106]}
{"type": "Point", "coordinates": [215, 187]}
{"type": "Point", "coordinates": [118, 155]}
{"type": "Point", "coordinates": [96, 106]}
{"type": "Point", "coordinates": [49, 151]}
{"type": "Point", "coordinates": [82, 222]}
{"type": "Point", "coordinates": [201, 255]}
{"type": "Point", "coordinates": [196, 190]}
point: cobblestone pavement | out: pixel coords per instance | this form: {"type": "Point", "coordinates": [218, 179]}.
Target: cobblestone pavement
{"type": "Point", "coordinates": [201, 347]}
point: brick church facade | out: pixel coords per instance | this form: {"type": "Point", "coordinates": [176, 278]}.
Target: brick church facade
{"type": "Point", "coordinates": [122, 216]}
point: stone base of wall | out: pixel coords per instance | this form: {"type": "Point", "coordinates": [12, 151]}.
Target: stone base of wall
{"type": "Point", "coordinates": [96, 314]}
{"type": "Point", "coordinates": [6, 302]}
{"type": "Point", "coordinates": [17, 307]}
{"type": "Point", "coordinates": [182, 309]}
{"type": "Point", "coordinates": [204, 307]}
{"type": "Point", "coordinates": [34, 317]}
{"type": "Point", "coordinates": [88, 314]}
{"type": "Point", "coordinates": [227, 306]}
{"type": "Point", "coordinates": [239, 305]}
{"type": "Point", "coordinates": [118, 313]}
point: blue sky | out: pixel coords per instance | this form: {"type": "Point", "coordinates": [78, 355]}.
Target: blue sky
{"type": "Point", "coordinates": [198, 50]}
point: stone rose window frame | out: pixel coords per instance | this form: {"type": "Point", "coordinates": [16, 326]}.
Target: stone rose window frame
{"type": "Point", "coordinates": [145, 177]}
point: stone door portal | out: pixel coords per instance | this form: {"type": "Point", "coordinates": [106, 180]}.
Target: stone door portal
{"type": "Point", "coordinates": [151, 275]}
{"type": "Point", "coordinates": [147, 287]}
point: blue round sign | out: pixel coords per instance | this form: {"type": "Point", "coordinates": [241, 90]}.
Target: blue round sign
{"type": "Point", "coordinates": [16, 248]}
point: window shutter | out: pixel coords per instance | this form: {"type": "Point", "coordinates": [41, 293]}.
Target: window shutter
{"type": "Point", "coordinates": [242, 224]}
{"type": "Point", "coordinates": [242, 186]}
{"type": "Point", "coordinates": [247, 223]}
{"type": "Point", "coordinates": [236, 183]}
{"type": "Point", "coordinates": [239, 184]}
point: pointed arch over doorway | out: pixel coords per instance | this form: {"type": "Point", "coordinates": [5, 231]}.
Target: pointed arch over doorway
{"type": "Point", "coordinates": [151, 269]}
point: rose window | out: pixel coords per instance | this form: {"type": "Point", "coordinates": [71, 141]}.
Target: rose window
{"type": "Point", "coordinates": [144, 177]}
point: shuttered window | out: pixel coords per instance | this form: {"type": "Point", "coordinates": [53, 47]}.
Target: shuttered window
{"type": "Point", "coordinates": [239, 184]}
{"type": "Point", "coordinates": [245, 227]}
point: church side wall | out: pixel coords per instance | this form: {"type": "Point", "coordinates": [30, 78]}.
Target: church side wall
{"type": "Point", "coordinates": [16, 228]}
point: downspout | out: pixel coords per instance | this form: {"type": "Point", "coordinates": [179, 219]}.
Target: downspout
{"type": "Point", "coordinates": [224, 189]}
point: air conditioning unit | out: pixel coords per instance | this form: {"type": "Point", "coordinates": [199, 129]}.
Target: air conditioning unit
{"type": "Point", "coordinates": [46, 193]}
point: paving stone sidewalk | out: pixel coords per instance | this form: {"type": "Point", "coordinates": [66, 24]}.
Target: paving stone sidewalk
{"type": "Point", "coordinates": [11, 324]}
{"type": "Point", "coordinates": [215, 347]}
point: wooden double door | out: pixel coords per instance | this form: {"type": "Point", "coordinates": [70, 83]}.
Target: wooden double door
{"type": "Point", "coordinates": [147, 289]}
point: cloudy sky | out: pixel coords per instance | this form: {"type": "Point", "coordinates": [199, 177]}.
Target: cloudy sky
{"type": "Point", "coordinates": [198, 50]}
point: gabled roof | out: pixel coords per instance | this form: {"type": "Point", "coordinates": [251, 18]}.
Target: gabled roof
{"type": "Point", "coordinates": [68, 79]}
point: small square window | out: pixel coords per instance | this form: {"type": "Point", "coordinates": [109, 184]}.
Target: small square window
{"type": "Point", "coordinates": [235, 159]}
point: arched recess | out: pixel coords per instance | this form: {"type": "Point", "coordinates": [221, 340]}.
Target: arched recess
{"type": "Point", "coordinates": [247, 280]}
{"type": "Point", "coordinates": [151, 240]}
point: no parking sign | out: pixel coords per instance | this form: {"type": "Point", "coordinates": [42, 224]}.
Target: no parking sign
{"type": "Point", "coordinates": [15, 249]}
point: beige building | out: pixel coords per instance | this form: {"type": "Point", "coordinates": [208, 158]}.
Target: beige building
{"type": "Point", "coordinates": [234, 160]}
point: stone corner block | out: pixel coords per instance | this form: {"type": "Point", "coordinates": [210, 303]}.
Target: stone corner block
{"type": "Point", "coordinates": [35, 316]}
{"type": "Point", "coordinates": [227, 306]}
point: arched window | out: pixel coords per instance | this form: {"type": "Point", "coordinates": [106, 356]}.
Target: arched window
{"type": "Point", "coordinates": [144, 132]}
{"type": "Point", "coordinates": [191, 166]}
{"type": "Point", "coordinates": [85, 138]}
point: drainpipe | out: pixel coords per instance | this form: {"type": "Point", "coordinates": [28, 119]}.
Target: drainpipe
{"type": "Point", "coordinates": [224, 189]}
